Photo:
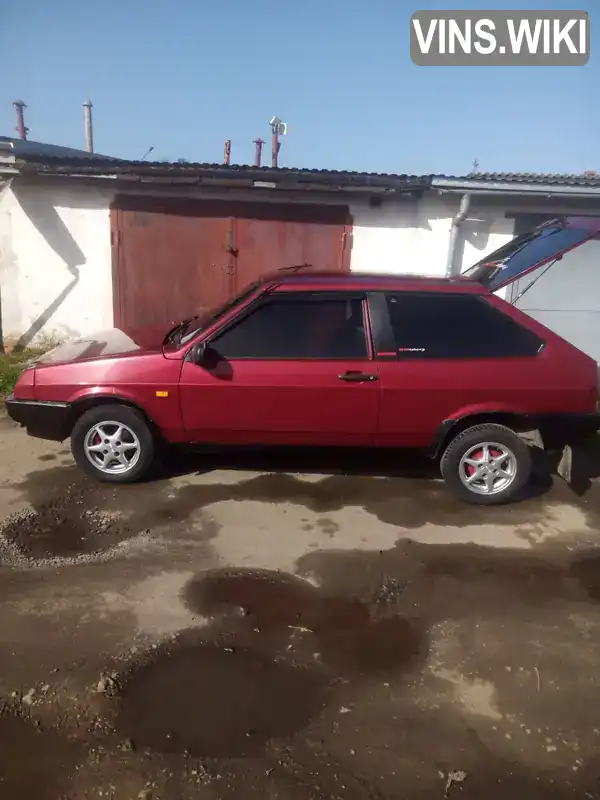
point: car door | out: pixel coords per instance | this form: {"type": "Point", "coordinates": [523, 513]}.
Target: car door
{"type": "Point", "coordinates": [296, 368]}
{"type": "Point", "coordinates": [443, 354]}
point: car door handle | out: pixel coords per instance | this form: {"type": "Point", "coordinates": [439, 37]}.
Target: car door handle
{"type": "Point", "coordinates": [358, 377]}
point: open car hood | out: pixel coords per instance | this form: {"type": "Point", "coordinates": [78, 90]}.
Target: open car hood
{"type": "Point", "coordinates": [525, 253]}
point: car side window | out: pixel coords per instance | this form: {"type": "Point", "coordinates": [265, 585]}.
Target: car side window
{"type": "Point", "coordinates": [436, 325]}
{"type": "Point", "coordinates": [296, 325]}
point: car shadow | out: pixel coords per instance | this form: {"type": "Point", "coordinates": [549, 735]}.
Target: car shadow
{"type": "Point", "coordinates": [367, 462]}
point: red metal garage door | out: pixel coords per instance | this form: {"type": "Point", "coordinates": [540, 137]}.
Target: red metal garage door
{"type": "Point", "coordinates": [173, 256]}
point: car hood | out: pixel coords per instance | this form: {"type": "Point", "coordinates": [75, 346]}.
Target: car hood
{"type": "Point", "coordinates": [111, 342]}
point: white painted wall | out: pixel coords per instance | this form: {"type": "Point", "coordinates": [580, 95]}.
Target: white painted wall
{"type": "Point", "coordinates": [412, 237]}
{"type": "Point", "coordinates": [55, 261]}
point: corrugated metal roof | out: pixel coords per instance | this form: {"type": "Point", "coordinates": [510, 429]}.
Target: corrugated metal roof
{"type": "Point", "coordinates": [531, 178]}
{"type": "Point", "coordinates": [53, 159]}
{"type": "Point", "coordinates": [280, 175]}
{"type": "Point", "coordinates": [32, 151]}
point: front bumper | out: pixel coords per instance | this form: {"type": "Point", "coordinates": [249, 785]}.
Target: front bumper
{"type": "Point", "coordinates": [42, 419]}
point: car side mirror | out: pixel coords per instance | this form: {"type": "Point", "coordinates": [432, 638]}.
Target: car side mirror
{"type": "Point", "coordinates": [203, 355]}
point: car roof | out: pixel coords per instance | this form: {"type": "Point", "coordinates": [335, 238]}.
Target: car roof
{"type": "Point", "coordinates": [366, 281]}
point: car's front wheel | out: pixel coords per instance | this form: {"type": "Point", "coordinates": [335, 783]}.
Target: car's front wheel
{"type": "Point", "coordinates": [113, 443]}
{"type": "Point", "coordinates": [487, 464]}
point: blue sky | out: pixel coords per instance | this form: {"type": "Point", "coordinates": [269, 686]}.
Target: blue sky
{"type": "Point", "coordinates": [185, 75]}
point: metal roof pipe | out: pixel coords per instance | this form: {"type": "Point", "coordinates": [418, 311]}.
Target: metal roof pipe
{"type": "Point", "coordinates": [451, 266]}
{"type": "Point", "coordinates": [4, 186]}
{"type": "Point", "coordinates": [89, 128]}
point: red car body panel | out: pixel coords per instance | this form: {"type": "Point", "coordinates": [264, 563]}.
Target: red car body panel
{"type": "Point", "coordinates": [418, 395]}
{"type": "Point", "coordinates": [303, 402]}
{"type": "Point", "coordinates": [283, 402]}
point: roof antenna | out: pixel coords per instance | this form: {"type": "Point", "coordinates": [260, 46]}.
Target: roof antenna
{"type": "Point", "coordinates": [278, 128]}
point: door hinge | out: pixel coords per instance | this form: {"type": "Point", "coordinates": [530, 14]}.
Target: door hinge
{"type": "Point", "coordinates": [231, 248]}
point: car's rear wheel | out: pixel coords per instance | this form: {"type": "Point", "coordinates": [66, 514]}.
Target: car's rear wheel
{"type": "Point", "coordinates": [487, 464]}
{"type": "Point", "coordinates": [113, 443]}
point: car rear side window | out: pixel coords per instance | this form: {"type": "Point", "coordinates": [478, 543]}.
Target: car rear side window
{"type": "Point", "coordinates": [298, 326]}
{"type": "Point", "coordinates": [456, 326]}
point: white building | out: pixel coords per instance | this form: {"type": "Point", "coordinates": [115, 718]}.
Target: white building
{"type": "Point", "coordinates": [88, 242]}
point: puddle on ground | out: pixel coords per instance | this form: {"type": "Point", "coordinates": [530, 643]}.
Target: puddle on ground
{"type": "Point", "coordinates": [350, 636]}
{"type": "Point", "coordinates": [269, 662]}
{"type": "Point", "coordinates": [210, 701]}
{"type": "Point", "coordinates": [268, 599]}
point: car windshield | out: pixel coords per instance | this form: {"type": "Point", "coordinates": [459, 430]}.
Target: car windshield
{"type": "Point", "coordinates": [208, 317]}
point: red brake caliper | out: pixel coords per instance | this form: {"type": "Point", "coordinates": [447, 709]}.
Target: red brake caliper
{"type": "Point", "coordinates": [495, 453]}
{"type": "Point", "coordinates": [476, 456]}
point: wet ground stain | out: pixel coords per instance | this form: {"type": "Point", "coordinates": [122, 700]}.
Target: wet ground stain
{"type": "Point", "coordinates": [397, 501]}
{"type": "Point", "coordinates": [210, 701]}
{"type": "Point", "coordinates": [70, 515]}
{"type": "Point", "coordinates": [351, 636]}
{"type": "Point", "coordinates": [437, 581]}
{"type": "Point", "coordinates": [404, 497]}
{"type": "Point", "coordinates": [585, 568]}
{"type": "Point", "coordinates": [279, 648]}
{"type": "Point", "coordinates": [70, 524]}
{"type": "Point", "coordinates": [255, 714]}
{"type": "Point", "coordinates": [328, 526]}
{"type": "Point", "coordinates": [35, 762]}
{"type": "Point", "coordinates": [367, 624]}
{"type": "Point", "coordinates": [407, 502]}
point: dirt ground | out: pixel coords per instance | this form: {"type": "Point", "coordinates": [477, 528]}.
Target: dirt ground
{"type": "Point", "coordinates": [291, 629]}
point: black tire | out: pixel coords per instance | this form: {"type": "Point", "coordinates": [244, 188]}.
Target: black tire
{"type": "Point", "coordinates": [125, 415]}
{"type": "Point", "coordinates": [470, 438]}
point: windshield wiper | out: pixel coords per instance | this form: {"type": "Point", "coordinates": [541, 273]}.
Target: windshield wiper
{"type": "Point", "coordinates": [176, 334]}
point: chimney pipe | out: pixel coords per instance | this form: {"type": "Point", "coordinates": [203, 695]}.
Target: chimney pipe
{"type": "Point", "coordinates": [227, 152]}
{"type": "Point", "coordinates": [89, 130]}
{"type": "Point", "coordinates": [21, 129]}
{"type": "Point", "coordinates": [258, 152]}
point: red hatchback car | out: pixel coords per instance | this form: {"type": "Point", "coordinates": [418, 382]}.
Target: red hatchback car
{"type": "Point", "coordinates": [315, 359]}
